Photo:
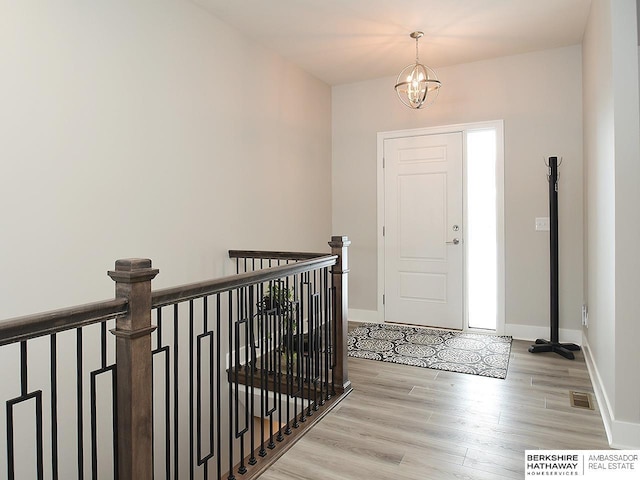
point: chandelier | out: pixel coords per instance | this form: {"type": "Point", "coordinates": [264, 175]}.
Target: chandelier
{"type": "Point", "coordinates": [417, 85]}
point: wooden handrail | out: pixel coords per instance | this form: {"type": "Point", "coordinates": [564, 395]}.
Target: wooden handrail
{"type": "Point", "coordinates": [265, 255]}
{"type": "Point", "coordinates": [35, 325]}
{"type": "Point", "coordinates": [182, 293]}
{"type": "Point", "coordinates": [40, 324]}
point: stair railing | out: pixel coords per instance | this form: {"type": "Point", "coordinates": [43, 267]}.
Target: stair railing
{"type": "Point", "coordinates": [205, 380]}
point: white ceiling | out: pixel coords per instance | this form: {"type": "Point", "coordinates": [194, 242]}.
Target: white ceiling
{"type": "Point", "coordinates": [344, 41]}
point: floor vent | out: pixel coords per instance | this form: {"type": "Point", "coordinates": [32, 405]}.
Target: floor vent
{"type": "Point", "coordinates": [580, 400]}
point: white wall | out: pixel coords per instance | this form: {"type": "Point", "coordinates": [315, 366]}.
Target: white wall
{"type": "Point", "coordinates": [599, 186]}
{"type": "Point", "coordinates": [539, 97]}
{"type": "Point", "coordinates": [141, 129]}
{"type": "Point", "coordinates": [148, 129]}
{"type": "Point", "coordinates": [612, 149]}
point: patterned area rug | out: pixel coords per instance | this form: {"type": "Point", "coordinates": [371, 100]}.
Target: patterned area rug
{"type": "Point", "coordinates": [476, 354]}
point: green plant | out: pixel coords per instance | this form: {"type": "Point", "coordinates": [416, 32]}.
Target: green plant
{"type": "Point", "coordinates": [278, 300]}
{"type": "Point", "coordinates": [278, 296]}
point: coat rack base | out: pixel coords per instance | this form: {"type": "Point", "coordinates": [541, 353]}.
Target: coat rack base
{"type": "Point", "coordinates": [564, 349]}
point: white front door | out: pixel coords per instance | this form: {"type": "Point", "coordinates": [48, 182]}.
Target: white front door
{"type": "Point", "coordinates": [423, 230]}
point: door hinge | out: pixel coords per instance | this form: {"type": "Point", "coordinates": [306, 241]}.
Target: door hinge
{"type": "Point", "coordinates": [382, 162]}
{"type": "Point", "coordinates": [383, 231]}
{"type": "Point", "coordinates": [383, 299]}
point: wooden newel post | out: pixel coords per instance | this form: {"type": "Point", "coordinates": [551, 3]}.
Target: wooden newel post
{"type": "Point", "coordinates": [340, 274]}
{"type": "Point", "coordinates": [133, 366]}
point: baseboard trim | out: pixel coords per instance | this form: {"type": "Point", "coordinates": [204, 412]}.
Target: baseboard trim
{"type": "Point", "coordinates": [621, 435]}
{"type": "Point", "coordinates": [531, 333]}
{"type": "Point", "coordinates": [519, 332]}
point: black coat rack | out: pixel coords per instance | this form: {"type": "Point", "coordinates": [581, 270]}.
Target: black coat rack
{"type": "Point", "coordinates": [554, 345]}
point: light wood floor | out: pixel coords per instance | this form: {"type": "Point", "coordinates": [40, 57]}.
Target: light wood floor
{"type": "Point", "coordinates": [403, 422]}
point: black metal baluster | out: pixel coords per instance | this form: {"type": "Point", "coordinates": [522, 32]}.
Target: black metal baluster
{"type": "Point", "coordinates": [80, 426]}
{"type": "Point", "coordinates": [242, 316]}
{"type": "Point", "coordinates": [277, 380]}
{"type": "Point", "coordinates": [212, 421]}
{"type": "Point", "coordinates": [317, 374]}
{"type": "Point", "coordinates": [304, 292]}
{"type": "Point", "coordinates": [273, 321]}
{"type": "Point", "coordinates": [203, 460]}
{"type": "Point", "coordinates": [251, 344]}
{"type": "Point", "coordinates": [327, 331]}
{"type": "Point", "coordinates": [93, 376]}
{"type": "Point", "coordinates": [312, 346]}
{"type": "Point", "coordinates": [239, 432]}
{"type": "Point", "coordinates": [211, 366]}
{"type": "Point", "coordinates": [176, 391]}
{"type": "Point", "coordinates": [316, 337]}
{"type": "Point", "coordinates": [334, 337]}
{"type": "Point", "coordinates": [103, 344]}
{"type": "Point", "coordinates": [158, 337]}
{"type": "Point", "coordinates": [268, 364]}
{"type": "Point", "coordinates": [10, 448]}
{"type": "Point", "coordinates": [313, 337]}
{"type": "Point", "coordinates": [24, 384]}
{"type": "Point", "coordinates": [54, 406]}
{"type": "Point", "coordinates": [231, 407]}
{"type": "Point", "coordinates": [24, 396]}
{"type": "Point", "coordinates": [320, 365]}
{"type": "Point", "coordinates": [199, 392]}
{"type": "Point", "coordinates": [290, 355]}
{"type": "Point", "coordinates": [39, 456]}
{"type": "Point", "coordinates": [160, 349]}
{"type": "Point", "coordinates": [93, 406]}
{"type": "Point", "coordinates": [265, 336]}
{"type": "Point", "coordinates": [274, 368]}
{"type": "Point", "coordinates": [94, 435]}
{"type": "Point", "coordinates": [153, 389]}
{"type": "Point", "coordinates": [218, 385]}
{"type": "Point", "coordinates": [304, 358]}
{"type": "Point", "coordinates": [317, 371]}
{"type": "Point", "coordinates": [296, 376]}
{"type": "Point", "coordinates": [114, 403]}
{"type": "Point", "coordinates": [191, 360]}
{"type": "Point", "coordinates": [297, 364]}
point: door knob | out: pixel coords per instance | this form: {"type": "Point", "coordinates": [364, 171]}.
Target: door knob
{"type": "Point", "coordinates": [455, 241]}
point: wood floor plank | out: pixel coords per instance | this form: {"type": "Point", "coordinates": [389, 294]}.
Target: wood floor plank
{"type": "Point", "coordinates": [413, 437]}
{"type": "Point", "coordinates": [495, 464]}
{"type": "Point", "coordinates": [425, 468]}
{"type": "Point", "coordinates": [410, 423]}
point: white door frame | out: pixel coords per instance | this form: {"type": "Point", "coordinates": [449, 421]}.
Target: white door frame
{"type": "Point", "coordinates": [498, 125]}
